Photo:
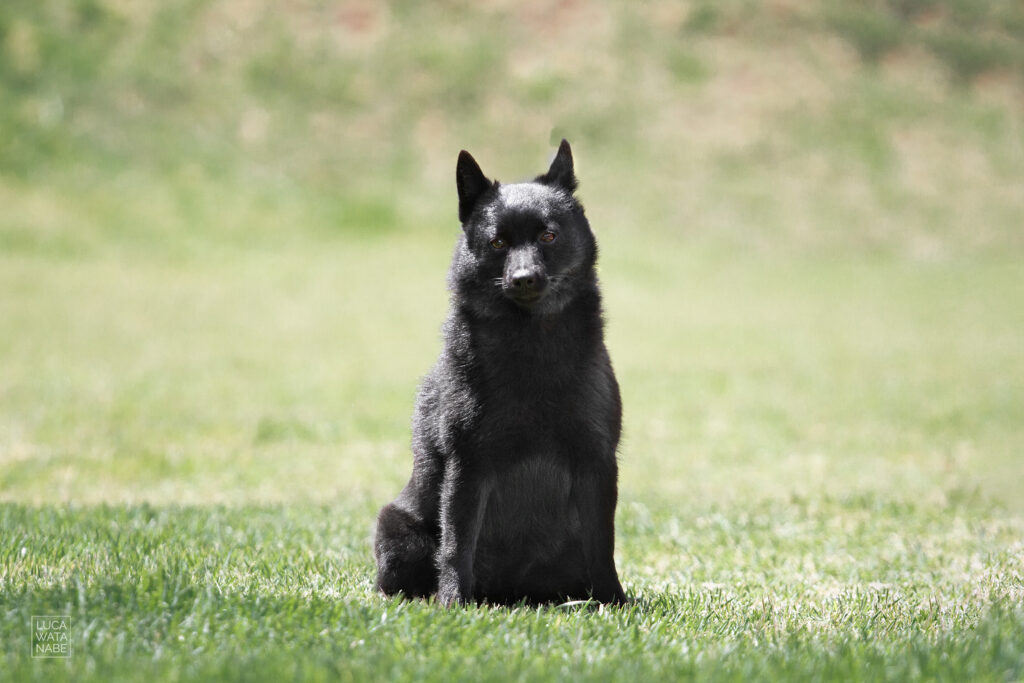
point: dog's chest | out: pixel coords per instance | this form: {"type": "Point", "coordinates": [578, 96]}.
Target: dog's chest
{"type": "Point", "coordinates": [534, 396]}
{"type": "Point", "coordinates": [530, 528]}
{"type": "Point", "coordinates": [529, 502]}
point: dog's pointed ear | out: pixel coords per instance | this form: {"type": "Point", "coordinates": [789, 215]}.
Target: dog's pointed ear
{"type": "Point", "coordinates": [470, 182]}
{"type": "Point", "coordinates": [561, 173]}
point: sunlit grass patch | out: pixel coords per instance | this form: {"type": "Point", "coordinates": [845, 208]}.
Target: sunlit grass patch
{"type": "Point", "coordinates": [857, 588]}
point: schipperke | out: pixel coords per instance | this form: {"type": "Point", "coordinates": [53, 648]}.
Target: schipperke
{"type": "Point", "coordinates": [514, 480]}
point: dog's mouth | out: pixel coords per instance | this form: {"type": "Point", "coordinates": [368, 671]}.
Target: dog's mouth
{"type": "Point", "coordinates": [524, 299]}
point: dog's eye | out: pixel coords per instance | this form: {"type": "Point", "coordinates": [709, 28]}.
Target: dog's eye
{"type": "Point", "coordinates": [498, 243]}
{"type": "Point", "coordinates": [547, 236]}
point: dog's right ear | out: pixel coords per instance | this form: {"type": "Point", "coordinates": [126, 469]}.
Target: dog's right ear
{"type": "Point", "coordinates": [561, 173]}
{"type": "Point", "coordinates": [471, 183]}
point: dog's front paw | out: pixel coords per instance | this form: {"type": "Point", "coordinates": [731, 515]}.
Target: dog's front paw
{"type": "Point", "coordinates": [610, 594]}
{"type": "Point", "coordinates": [619, 598]}
{"type": "Point", "coordinates": [450, 590]}
{"type": "Point", "coordinates": [449, 596]}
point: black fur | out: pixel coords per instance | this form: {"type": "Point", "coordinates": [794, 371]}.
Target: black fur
{"type": "Point", "coordinates": [514, 482]}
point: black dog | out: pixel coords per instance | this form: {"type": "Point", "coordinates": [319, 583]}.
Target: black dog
{"type": "Point", "coordinates": [514, 482]}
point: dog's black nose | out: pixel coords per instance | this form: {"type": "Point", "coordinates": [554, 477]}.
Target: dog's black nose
{"type": "Point", "coordinates": [524, 280]}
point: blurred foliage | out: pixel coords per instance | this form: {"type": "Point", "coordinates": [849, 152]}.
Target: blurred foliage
{"type": "Point", "coordinates": [969, 38]}
{"type": "Point", "coordinates": [320, 112]}
{"type": "Point", "coordinates": [874, 33]}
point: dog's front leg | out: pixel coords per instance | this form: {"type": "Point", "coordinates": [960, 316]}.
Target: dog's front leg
{"type": "Point", "coordinates": [463, 499]}
{"type": "Point", "coordinates": [595, 492]}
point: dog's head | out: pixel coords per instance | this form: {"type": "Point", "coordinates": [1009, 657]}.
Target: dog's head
{"type": "Point", "coordinates": [525, 246]}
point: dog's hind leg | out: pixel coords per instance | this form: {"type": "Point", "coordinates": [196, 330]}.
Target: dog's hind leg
{"type": "Point", "coordinates": [405, 552]}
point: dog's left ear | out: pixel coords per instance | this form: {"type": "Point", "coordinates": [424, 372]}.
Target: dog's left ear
{"type": "Point", "coordinates": [470, 182]}
{"type": "Point", "coordinates": [561, 173]}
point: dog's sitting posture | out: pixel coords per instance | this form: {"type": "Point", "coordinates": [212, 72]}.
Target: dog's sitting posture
{"type": "Point", "coordinates": [514, 482]}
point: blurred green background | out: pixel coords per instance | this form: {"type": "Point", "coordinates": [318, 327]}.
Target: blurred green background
{"type": "Point", "coordinates": [225, 225]}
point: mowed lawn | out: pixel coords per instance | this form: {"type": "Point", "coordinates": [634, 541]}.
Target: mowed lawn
{"type": "Point", "coordinates": [224, 231]}
{"type": "Point", "coordinates": [820, 474]}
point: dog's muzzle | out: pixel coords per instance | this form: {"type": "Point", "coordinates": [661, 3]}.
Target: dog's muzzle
{"type": "Point", "coordinates": [525, 285]}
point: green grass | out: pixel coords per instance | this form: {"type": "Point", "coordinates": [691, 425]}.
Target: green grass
{"type": "Point", "coordinates": [819, 472]}
{"type": "Point", "coordinates": [854, 588]}
{"type": "Point", "coordinates": [223, 240]}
